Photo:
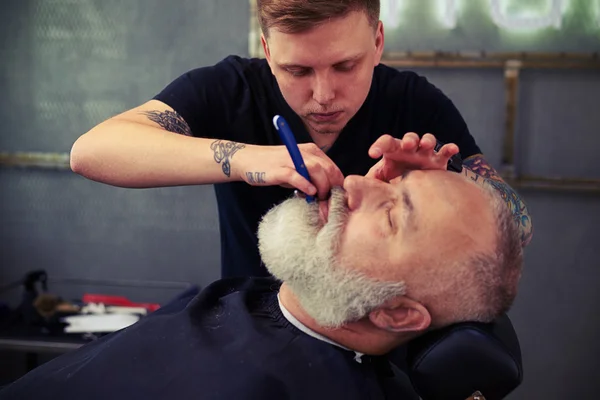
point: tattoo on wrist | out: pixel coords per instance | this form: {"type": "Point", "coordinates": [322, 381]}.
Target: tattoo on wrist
{"type": "Point", "coordinates": [256, 177]}
{"type": "Point", "coordinates": [223, 152]}
{"type": "Point", "coordinates": [481, 168]}
{"type": "Point", "coordinates": [517, 208]}
{"type": "Point", "coordinates": [473, 176]}
{"type": "Point", "coordinates": [170, 121]}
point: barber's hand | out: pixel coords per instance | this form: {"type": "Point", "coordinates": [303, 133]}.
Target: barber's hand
{"type": "Point", "coordinates": [272, 165]}
{"type": "Point", "coordinates": [410, 152]}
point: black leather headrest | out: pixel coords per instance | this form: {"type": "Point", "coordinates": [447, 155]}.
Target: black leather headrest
{"type": "Point", "coordinates": [455, 362]}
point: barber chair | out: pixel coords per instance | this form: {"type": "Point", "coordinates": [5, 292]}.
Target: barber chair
{"type": "Point", "coordinates": [467, 360]}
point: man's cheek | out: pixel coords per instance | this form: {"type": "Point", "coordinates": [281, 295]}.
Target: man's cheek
{"type": "Point", "coordinates": [291, 88]}
{"type": "Point", "coordinates": [351, 241]}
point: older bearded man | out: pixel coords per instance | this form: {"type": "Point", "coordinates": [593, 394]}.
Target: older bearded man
{"type": "Point", "coordinates": [375, 266]}
{"type": "Point", "coordinates": [380, 263]}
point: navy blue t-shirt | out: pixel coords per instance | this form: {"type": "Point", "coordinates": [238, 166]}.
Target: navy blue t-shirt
{"type": "Point", "coordinates": [236, 100]}
{"type": "Point", "coordinates": [231, 341]}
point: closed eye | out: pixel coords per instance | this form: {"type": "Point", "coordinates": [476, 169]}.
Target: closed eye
{"type": "Point", "coordinates": [298, 72]}
{"type": "Point", "coordinates": [346, 67]}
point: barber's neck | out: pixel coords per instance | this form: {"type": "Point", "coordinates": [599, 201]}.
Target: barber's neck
{"type": "Point", "coordinates": [361, 336]}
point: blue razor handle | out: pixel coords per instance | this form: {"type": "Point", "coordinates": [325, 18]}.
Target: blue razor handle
{"type": "Point", "coordinates": [287, 137]}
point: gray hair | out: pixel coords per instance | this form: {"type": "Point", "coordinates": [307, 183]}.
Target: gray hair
{"type": "Point", "coordinates": [485, 285]}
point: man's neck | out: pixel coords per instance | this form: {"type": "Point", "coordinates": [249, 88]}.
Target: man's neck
{"type": "Point", "coordinates": [324, 141]}
{"type": "Point", "coordinates": [360, 336]}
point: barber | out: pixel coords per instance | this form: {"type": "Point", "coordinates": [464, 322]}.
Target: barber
{"type": "Point", "coordinates": [322, 73]}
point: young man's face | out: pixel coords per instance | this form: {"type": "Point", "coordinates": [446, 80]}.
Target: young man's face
{"type": "Point", "coordinates": [325, 74]}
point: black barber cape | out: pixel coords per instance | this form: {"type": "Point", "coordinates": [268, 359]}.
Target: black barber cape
{"type": "Point", "coordinates": [231, 341]}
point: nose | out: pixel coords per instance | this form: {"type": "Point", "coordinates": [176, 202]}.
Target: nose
{"type": "Point", "coordinates": [323, 89]}
{"type": "Point", "coordinates": [365, 192]}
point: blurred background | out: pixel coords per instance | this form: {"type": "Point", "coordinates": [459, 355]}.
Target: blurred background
{"type": "Point", "coordinates": [525, 75]}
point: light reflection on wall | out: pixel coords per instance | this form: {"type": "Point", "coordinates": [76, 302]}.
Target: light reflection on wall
{"type": "Point", "coordinates": [528, 18]}
{"type": "Point", "coordinates": [512, 15]}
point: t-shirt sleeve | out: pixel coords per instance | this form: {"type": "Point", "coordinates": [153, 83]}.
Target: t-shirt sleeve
{"type": "Point", "coordinates": [442, 118]}
{"type": "Point", "coordinates": [206, 98]}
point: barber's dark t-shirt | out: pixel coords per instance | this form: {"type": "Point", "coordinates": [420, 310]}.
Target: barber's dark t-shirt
{"type": "Point", "coordinates": [236, 100]}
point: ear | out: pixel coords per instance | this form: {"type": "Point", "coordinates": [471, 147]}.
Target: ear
{"type": "Point", "coordinates": [265, 46]}
{"type": "Point", "coordinates": [266, 50]}
{"type": "Point", "coordinates": [401, 314]}
{"type": "Point", "coordinates": [379, 42]}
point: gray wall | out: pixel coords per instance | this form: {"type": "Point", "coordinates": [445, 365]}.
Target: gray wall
{"type": "Point", "coordinates": [65, 68]}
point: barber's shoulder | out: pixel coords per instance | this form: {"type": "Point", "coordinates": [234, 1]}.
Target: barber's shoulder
{"type": "Point", "coordinates": [399, 82]}
{"type": "Point", "coordinates": [386, 71]}
{"type": "Point", "coordinates": [252, 72]}
{"type": "Point", "coordinates": [231, 75]}
{"type": "Point", "coordinates": [206, 93]}
{"type": "Point", "coordinates": [243, 66]}
{"type": "Point", "coordinates": [229, 67]}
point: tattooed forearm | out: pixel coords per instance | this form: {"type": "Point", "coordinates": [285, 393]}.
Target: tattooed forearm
{"type": "Point", "coordinates": [224, 151]}
{"type": "Point", "coordinates": [478, 170]}
{"type": "Point", "coordinates": [256, 177]}
{"type": "Point", "coordinates": [170, 121]}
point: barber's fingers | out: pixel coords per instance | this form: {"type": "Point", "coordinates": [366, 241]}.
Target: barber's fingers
{"type": "Point", "coordinates": [427, 143]}
{"type": "Point", "coordinates": [384, 144]}
{"type": "Point", "coordinates": [324, 176]}
{"type": "Point", "coordinates": [323, 172]}
{"type": "Point", "coordinates": [375, 171]}
{"type": "Point", "coordinates": [319, 184]}
{"type": "Point", "coordinates": [319, 164]}
{"type": "Point", "coordinates": [410, 142]}
{"type": "Point", "coordinates": [390, 146]}
{"type": "Point", "coordinates": [290, 178]}
{"type": "Point", "coordinates": [311, 148]}
{"type": "Point", "coordinates": [448, 150]}
{"type": "Point", "coordinates": [333, 172]}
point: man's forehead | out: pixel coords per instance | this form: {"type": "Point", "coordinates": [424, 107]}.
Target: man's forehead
{"type": "Point", "coordinates": [435, 177]}
{"type": "Point", "coordinates": [328, 43]}
{"type": "Point", "coordinates": [441, 178]}
{"type": "Point", "coordinates": [434, 187]}
{"type": "Point", "coordinates": [460, 192]}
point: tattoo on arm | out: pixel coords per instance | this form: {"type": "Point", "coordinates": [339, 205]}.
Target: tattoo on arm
{"type": "Point", "coordinates": [224, 151]}
{"type": "Point", "coordinates": [478, 170]}
{"type": "Point", "coordinates": [256, 177]}
{"type": "Point", "coordinates": [170, 121]}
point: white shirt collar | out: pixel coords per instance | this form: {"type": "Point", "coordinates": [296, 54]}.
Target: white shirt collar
{"type": "Point", "coordinates": [294, 321]}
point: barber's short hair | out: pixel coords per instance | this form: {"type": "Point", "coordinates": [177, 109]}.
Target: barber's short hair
{"type": "Point", "coordinates": [296, 16]}
{"type": "Point", "coordinates": [488, 283]}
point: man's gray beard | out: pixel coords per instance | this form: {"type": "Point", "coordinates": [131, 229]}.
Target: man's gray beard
{"type": "Point", "coordinates": [298, 249]}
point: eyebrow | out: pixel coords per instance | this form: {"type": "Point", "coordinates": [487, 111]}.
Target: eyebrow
{"type": "Point", "coordinates": [408, 211]}
{"type": "Point", "coordinates": [408, 214]}
{"type": "Point", "coordinates": [349, 59]}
